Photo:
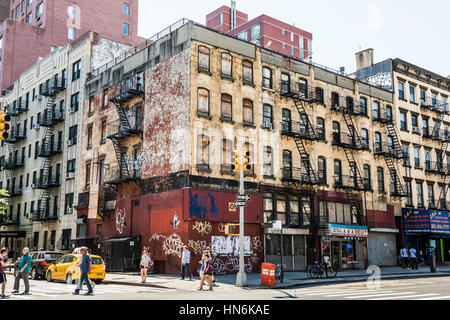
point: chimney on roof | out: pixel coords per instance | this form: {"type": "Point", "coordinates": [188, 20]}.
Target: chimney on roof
{"type": "Point", "coordinates": [342, 70]}
{"type": "Point", "coordinates": [364, 59]}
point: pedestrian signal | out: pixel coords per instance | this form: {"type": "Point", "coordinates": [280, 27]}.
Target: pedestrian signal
{"type": "Point", "coordinates": [232, 229]}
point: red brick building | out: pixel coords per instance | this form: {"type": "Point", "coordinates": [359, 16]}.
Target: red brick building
{"type": "Point", "coordinates": [41, 25]}
{"type": "Point", "coordinates": [263, 30]}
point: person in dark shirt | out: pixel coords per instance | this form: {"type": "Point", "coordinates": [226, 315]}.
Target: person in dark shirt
{"type": "Point", "coordinates": [3, 253]}
{"type": "Point", "coordinates": [85, 265]}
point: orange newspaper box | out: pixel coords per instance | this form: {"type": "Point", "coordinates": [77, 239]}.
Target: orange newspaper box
{"type": "Point", "coordinates": [267, 274]}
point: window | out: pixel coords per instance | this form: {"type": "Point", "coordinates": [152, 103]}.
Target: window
{"type": "Point", "coordinates": [248, 112]}
{"type": "Point", "coordinates": [337, 172]}
{"type": "Point", "coordinates": [68, 203]}
{"type": "Point", "coordinates": [76, 70]}
{"type": "Point", "coordinates": [405, 152]}
{"type": "Point", "coordinates": [287, 165]}
{"type": "Point", "coordinates": [88, 175]}
{"type": "Point", "coordinates": [425, 127]}
{"type": "Point", "coordinates": [70, 167]}
{"type": "Point", "coordinates": [431, 203]}
{"type": "Point", "coordinates": [247, 72]}
{"type": "Point", "coordinates": [89, 137]}
{"type": "Point", "coordinates": [71, 11]}
{"type": "Point", "coordinates": [380, 179]}
{"type": "Point", "coordinates": [267, 78]}
{"type": "Point", "coordinates": [226, 107]}
{"type": "Point", "coordinates": [267, 116]}
{"type": "Point", "coordinates": [105, 98]}
{"type": "Point", "coordinates": [202, 152]}
{"type": "Point", "coordinates": [71, 34]}
{"type": "Point", "coordinates": [221, 19]}
{"type": "Point", "coordinates": [414, 123]}
{"type": "Point", "coordinates": [285, 121]}
{"type": "Point", "coordinates": [321, 128]}
{"type": "Point", "coordinates": [292, 51]}
{"type": "Point", "coordinates": [243, 36]}
{"type": "Point", "coordinates": [36, 149]}
{"type": "Point", "coordinates": [365, 138]}
{"type": "Point", "coordinates": [427, 160]}
{"type": "Point", "coordinates": [322, 170]}
{"type": "Point", "coordinates": [423, 96]}
{"type": "Point", "coordinates": [285, 83]}
{"type": "Point", "coordinates": [366, 169]}
{"type": "Point", "coordinates": [91, 105]}
{"type": "Point", "coordinates": [203, 58]}
{"type": "Point", "coordinates": [255, 32]}
{"type": "Point", "coordinates": [319, 95]}
{"type": "Point", "coordinates": [419, 191]}
{"type": "Point", "coordinates": [363, 105]}
{"type": "Point", "coordinates": [401, 90]}
{"type": "Point", "coordinates": [203, 102]}
{"type": "Point", "coordinates": [17, 12]}
{"type": "Point", "coordinates": [336, 132]}
{"type": "Point", "coordinates": [227, 155]}
{"type": "Point", "coordinates": [126, 28]}
{"type": "Point", "coordinates": [227, 65]}
{"type": "Point", "coordinates": [74, 102]}
{"type": "Point", "coordinates": [403, 123]}
{"type": "Point", "coordinates": [126, 9]}
{"type": "Point", "coordinates": [268, 167]}
{"type": "Point", "coordinates": [103, 132]}
{"type": "Point", "coordinates": [412, 94]}
{"type": "Point", "coordinates": [24, 6]}
{"type": "Point", "coordinates": [417, 157]}
{"type": "Point", "coordinates": [376, 110]}
{"type": "Point", "coordinates": [73, 134]}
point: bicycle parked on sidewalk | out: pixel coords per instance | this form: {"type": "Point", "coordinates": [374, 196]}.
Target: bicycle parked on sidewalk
{"type": "Point", "coordinates": [321, 268]}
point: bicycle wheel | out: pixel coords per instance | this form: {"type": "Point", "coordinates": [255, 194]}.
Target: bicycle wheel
{"type": "Point", "coordinates": [312, 271]}
{"type": "Point", "coordinates": [331, 272]}
{"type": "Point", "coordinates": [317, 272]}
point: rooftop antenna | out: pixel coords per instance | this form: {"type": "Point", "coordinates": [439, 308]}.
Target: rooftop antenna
{"type": "Point", "coordinates": [233, 14]}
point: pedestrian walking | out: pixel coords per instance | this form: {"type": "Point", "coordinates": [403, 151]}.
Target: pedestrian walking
{"type": "Point", "coordinates": [413, 258]}
{"type": "Point", "coordinates": [202, 264]}
{"type": "Point", "coordinates": [3, 257]}
{"type": "Point", "coordinates": [185, 260]}
{"type": "Point", "coordinates": [207, 272]}
{"type": "Point", "coordinates": [405, 257]}
{"type": "Point", "coordinates": [145, 263]}
{"type": "Point", "coordinates": [91, 282]}
{"type": "Point", "coordinates": [23, 271]}
{"type": "Point", "coordinates": [85, 266]}
{"type": "Point", "coordinates": [208, 250]}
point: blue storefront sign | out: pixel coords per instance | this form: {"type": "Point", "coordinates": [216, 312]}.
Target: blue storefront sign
{"type": "Point", "coordinates": [425, 221]}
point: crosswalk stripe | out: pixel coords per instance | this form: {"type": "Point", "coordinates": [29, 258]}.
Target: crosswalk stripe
{"type": "Point", "coordinates": [435, 298]}
{"type": "Point", "coordinates": [324, 291]}
{"type": "Point", "coordinates": [356, 293]}
{"type": "Point", "coordinates": [388, 293]}
{"type": "Point", "coordinates": [407, 297]}
{"type": "Point", "coordinates": [337, 292]}
{"type": "Point", "coordinates": [20, 297]}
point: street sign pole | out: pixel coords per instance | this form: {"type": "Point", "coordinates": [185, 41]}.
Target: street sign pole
{"type": "Point", "coordinates": [241, 278]}
{"type": "Point", "coordinates": [282, 269]}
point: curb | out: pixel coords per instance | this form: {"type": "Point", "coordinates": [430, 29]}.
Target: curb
{"type": "Point", "coordinates": [134, 284]}
{"type": "Point", "coordinates": [357, 279]}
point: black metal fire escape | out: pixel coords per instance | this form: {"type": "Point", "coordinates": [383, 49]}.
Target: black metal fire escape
{"type": "Point", "coordinates": [392, 153]}
{"type": "Point", "coordinates": [444, 137]}
{"type": "Point", "coordinates": [349, 143]}
{"type": "Point", "coordinates": [302, 132]}
{"type": "Point", "coordinates": [49, 148]}
{"type": "Point", "coordinates": [130, 88]}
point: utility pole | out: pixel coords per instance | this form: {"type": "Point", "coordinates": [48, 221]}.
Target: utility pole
{"type": "Point", "coordinates": [241, 161]}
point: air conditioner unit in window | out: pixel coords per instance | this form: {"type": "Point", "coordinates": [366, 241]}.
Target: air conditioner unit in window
{"type": "Point", "coordinates": [33, 185]}
{"type": "Point", "coordinates": [36, 126]}
{"type": "Point", "coordinates": [39, 97]}
{"type": "Point", "coordinates": [71, 175]}
{"type": "Point", "coordinates": [415, 129]}
{"type": "Point", "coordinates": [267, 125]}
{"type": "Point", "coordinates": [70, 142]}
{"type": "Point", "coordinates": [72, 110]}
{"type": "Point", "coordinates": [69, 209]}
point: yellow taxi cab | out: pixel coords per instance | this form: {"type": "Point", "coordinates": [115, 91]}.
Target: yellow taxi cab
{"type": "Point", "coordinates": [64, 269]}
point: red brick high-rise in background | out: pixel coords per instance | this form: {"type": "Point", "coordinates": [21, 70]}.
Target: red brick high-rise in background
{"type": "Point", "coordinates": [35, 27]}
{"type": "Point", "coordinates": [263, 30]}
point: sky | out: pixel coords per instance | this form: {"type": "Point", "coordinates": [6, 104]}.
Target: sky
{"type": "Point", "coordinates": [413, 30]}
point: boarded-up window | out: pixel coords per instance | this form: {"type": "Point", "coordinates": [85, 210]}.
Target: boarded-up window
{"type": "Point", "coordinates": [203, 58]}
{"type": "Point", "coordinates": [105, 98]}
{"type": "Point", "coordinates": [268, 168]}
{"type": "Point", "coordinates": [247, 71]}
{"type": "Point", "coordinates": [227, 111]}
{"type": "Point", "coordinates": [203, 101]}
{"type": "Point", "coordinates": [248, 111]}
{"type": "Point", "coordinates": [203, 150]}
{"type": "Point", "coordinates": [227, 63]}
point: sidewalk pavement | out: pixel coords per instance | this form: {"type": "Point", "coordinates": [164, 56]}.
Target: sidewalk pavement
{"type": "Point", "coordinates": [291, 279]}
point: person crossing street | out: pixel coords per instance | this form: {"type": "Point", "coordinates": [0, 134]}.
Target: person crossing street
{"type": "Point", "coordinates": [85, 266]}
{"type": "Point", "coordinates": [405, 258]}
{"type": "Point", "coordinates": [24, 270]}
{"type": "Point", "coordinates": [413, 258]}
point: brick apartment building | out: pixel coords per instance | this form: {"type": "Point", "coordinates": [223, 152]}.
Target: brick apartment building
{"type": "Point", "coordinates": [263, 30]}
{"type": "Point", "coordinates": [44, 25]}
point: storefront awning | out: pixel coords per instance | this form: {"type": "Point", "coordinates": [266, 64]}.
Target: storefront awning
{"type": "Point", "coordinates": [340, 230]}
{"type": "Point", "coordinates": [388, 230]}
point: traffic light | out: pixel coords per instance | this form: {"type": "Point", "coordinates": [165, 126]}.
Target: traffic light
{"type": "Point", "coordinates": [232, 229]}
{"type": "Point", "coordinates": [247, 165]}
{"type": "Point", "coordinates": [4, 126]}
{"type": "Point", "coordinates": [236, 165]}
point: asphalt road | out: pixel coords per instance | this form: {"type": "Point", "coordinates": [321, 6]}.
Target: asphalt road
{"type": "Point", "coordinates": [437, 288]}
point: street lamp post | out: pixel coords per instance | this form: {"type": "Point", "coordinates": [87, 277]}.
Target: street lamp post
{"type": "Point", "coordinates": [241, 278]}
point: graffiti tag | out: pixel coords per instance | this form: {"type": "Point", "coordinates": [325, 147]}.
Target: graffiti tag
{"type": "Point", "coordinates": [201, 206]}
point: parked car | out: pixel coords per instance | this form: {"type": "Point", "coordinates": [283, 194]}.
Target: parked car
{"type": "Point", "coordinates": [40, 261]}
{"type": "Point", "coordinates": [64, 269]}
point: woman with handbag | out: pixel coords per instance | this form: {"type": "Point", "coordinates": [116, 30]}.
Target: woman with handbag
{"type": "Point", "coordinates": [207, 272]}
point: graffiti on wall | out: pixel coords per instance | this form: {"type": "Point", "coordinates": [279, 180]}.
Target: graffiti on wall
{"type": "Point", "coordinates": [229, 264]}
{"type": "Point", "coordinates": [135, 164]}
{"type": "Point", "coordinates": [173, 245]}
{"type": "Point", "coordinates": [229, 245]}
{"type": "Point", "coordinates": [221, 227]}
{"type": "Point", "coordinates": [202, 227]}
{"type": "Point", "coordinates": [120, 219]}
{"type": "Point", "coordinates": [197, 246]}
{"type": "Point", "coordinates": [201, 207]}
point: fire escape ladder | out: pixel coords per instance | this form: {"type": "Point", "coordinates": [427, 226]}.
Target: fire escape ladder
{"type": "Point", "coordinates": [120, 155]}
{"type": "Point", "coordinates": [355, 209]}
{"type": "Point", "coordinates": [307, 169]}
{"type": "Point", "coordinates": [353, 132]}
{"type": "Point", "coordinates": [399, 191]}
{"type": "Point", "coordinates": [310, 132]}
{"type": "Point", "coordinates": [124, 123]}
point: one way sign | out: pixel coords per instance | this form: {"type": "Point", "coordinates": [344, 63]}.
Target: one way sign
{"type": "Point", "coordinates": [240, 203]}
{"type": "Point", "coordinates": [243, 197]}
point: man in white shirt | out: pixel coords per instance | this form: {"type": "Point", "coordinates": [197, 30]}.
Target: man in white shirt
{"type": "Point", "coordinates": [405, 257]}
{"type": "Point", "coordinates": [185, 259]}
{"type": "Point", "coordinates": [413, 258]}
